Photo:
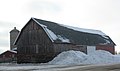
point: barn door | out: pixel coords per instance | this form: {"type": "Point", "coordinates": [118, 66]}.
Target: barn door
{"type": "Point", "coordinates": [91, 49]}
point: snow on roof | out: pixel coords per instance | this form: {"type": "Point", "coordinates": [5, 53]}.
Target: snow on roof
{"type": "Point", "coordinates": [12, 51]}
{"type": "Point", "coordinates": [53, 34]}
{"type": "Point", "coordinates": [63, 39]}
{"type": "Point", "coordinates": [54, 37]}
{"type": "Point", "coordinates": [85, 30]}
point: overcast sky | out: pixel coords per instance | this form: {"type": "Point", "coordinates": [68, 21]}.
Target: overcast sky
{"type": "Point", "coordinates": [101, 15]}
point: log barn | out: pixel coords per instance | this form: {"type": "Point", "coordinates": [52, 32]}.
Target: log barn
{"type": "Point", "coordinates": [40, 41]}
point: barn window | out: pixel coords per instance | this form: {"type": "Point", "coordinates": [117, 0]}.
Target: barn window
{"type": "Point", "coordinates": [36, 48]}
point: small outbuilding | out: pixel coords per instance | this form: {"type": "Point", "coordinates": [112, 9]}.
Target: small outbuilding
{"type": "Point", "coordinates": [8, 56]}
{"type": "Point", "coordinates": [41, 40]}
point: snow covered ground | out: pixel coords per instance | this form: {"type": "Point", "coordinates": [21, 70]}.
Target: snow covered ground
{"type": "Point", "coordinates": [27, 67]}
{"type": "Point", "coordinates": [77, 57]}
{"type": "Point", "coordinates": [71, 61]}
{"type": "Point", "coordinates": [46, 67]}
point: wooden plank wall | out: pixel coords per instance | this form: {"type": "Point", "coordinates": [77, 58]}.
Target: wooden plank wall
{"type": "Point", "coordinates": [33, 43]}
{"type": "Point", "coordinates": [58, 48]}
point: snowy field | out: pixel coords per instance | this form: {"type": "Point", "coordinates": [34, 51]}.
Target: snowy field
{"type": "Point", "coordinates": [71, 61]}
{"type": "Point", "coordinates": [28, 67]}
{"type": "Point", "coordinates": [46, 67]}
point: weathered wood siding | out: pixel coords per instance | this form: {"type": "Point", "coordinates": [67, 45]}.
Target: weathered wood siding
{"type": "Point", "coordinates": [60, 47]}
{"type": "Point", "coordinates": [33, 44]}
{"type": "Point", "coordinates": [8, 57]}
{"type": "Point", "coordinates": [109, 48]}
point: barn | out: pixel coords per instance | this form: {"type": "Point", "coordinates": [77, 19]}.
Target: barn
{"type": "Point", "coordinates": [40, 41]}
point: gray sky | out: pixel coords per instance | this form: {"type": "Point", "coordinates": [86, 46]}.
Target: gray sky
{"type": "Point", "coordinates": [101, 15]}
